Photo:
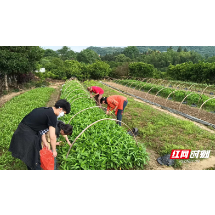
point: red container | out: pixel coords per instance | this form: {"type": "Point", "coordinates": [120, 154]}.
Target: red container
{"type": "Point", "coordinates": [46, 159]}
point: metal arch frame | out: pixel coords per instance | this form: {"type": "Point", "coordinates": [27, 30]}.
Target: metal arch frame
{"type": "Point", "coordinates": [176, 84]}
{"type": "Point", "coordinates": [203, 104]}
{"type": "Point", "coordinates": [92, 125]}
{"type": "Point", "coordinates": [149, 91]}
{"type": "Point", "coordinates": [169, 83]}
{"type": "Point", "coordinates": [158, 92]}
{"type": "Point", "coordinates": [185, 98]}
{"type": "Point", "coordinates": [189, 88]}
{"type": "Point", "coordinates": [171, 94]}
{"type": "Point", "coordinates": [206, 88]}
{"type": "Point", "coordinates": [133, 82]}
{"type": "Point", "coordinates": [145, 83]}
{"type": "Point", "coordinates": [164, 82]}
{"type": "Point", "coordinates": [87, 109]}
{"type": "Point", "coordinates": [161, 82]}
{"type": "Point", "coordinates": [128, 78]}
{"type": "Point", "coordinates": [140, 82]}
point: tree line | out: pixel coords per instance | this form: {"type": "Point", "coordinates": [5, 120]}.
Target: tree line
{"type": "Point", "coordinates": [19, 62]}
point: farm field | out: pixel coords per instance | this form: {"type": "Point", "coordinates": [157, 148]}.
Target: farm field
{"type": "Point", "coordinates": [208, 90]}
{"type": "Point", "coordinates": [175, 102]}
{"type": "Point", "coordinates": [105, 145]}
{"type": "Point", "coordinates": [158, 131]}
{"type": "Point", "coordinates": [11, 114]}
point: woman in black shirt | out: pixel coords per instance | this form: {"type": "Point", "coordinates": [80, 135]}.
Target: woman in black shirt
{"type": "Point", "coordinates": [26, 141]}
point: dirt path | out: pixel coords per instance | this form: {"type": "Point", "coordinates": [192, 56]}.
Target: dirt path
{"type": "Point", "coordinates": [153, 164]}
{"type": "Point", "coordinates": [8, 97]}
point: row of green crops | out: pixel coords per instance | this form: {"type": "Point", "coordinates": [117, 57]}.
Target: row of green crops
{"type": "Point", "coordinates": [178, 95]}
{"type": "Point", "coordinates": [185, 85]}
{"type": "Point", "coordinates": [11, 114]}
{"type": "Point", "coordinates": [105, 145]}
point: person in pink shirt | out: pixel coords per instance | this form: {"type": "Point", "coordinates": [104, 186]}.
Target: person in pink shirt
{"type": "Point", "coordinates": [98, 93]}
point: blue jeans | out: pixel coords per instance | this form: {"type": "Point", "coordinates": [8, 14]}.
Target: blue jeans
{"type": "Point", "coordinates": [119, 113]}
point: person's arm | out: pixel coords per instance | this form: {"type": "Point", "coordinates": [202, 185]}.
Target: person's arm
{"type": "Point", "coordinates": [53, 140]}
{"type": "Point", "coordinates": [96, 94]}
{"type": "Point", "coordinates": [44, 140]}
{"type": "Point", "coordinates": [67, 140]}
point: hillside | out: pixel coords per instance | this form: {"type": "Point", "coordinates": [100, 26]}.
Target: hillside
{"type": "Point", "coordinates": [203, 50]}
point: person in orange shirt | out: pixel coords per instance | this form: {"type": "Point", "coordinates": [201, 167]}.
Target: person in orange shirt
{"type": "Point", "coordinates": [116, 103]}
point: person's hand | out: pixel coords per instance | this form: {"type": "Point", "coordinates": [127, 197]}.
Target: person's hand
{"type": "Point", "coordinates": [58, 143]}
{"type": "Point", "coordinates": [107, 112]}
{"type": "Point", "coordinates": [91, 96]}
{"type": "Point", "coordinates": [46, 145]}
{"type": "Point", "coordinates": [54, 154]}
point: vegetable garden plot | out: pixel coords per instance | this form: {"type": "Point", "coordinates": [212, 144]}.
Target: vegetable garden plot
{"type": "Point", "coordinates": [104, 145]}
{"type": "Point", "coordinates": [11, 114]}
{"type": "Point", "coordinates": [180, 85]}
{"type": "Point", "coordinates": [195, 99]}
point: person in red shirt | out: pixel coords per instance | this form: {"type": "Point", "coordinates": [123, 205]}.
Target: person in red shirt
{"type": "Point", "coordinates": [98, 93]}
{"type": "Point", "coordinates": [116, 103]}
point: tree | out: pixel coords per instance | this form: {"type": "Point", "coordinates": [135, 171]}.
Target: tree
{"type": "Point", "coordinates": [87, 56]}
{"type": "Point", "coordinates": [185, 50]}
{"type": "Point", "coordinates": [99, 70]}
{"type": "Point", "coordinates": [15, 60]}
{"type": "Point", "coordinates": [122, 58]}
{"type": "Point", "coordinates": [140, 69]}
{"type": "Point", "coordinates": [66, 53]}
{"type": "Point", "coordinates": [50, 53]}
{"type": "Point", "coordinates": [179, 49]}
{"type": "Point", "coordinates": [131, 52]}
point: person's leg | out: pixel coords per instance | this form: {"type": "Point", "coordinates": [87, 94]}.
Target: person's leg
{"type": "Point", "coordinates": [119, 113]}
{"type": "Point", "coordinates": [124, 104]}
{"type": "Point", "coordinates": [99, 98]}
{"type": "Point", "coordinates": [96, 98]}
{"type": "Point", "coordinates": [119, 116]}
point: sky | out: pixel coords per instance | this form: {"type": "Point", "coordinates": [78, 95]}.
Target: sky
{"type": "Point", "coordinates": [74, 48]}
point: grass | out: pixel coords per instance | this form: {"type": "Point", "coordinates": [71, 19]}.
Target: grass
{"type": "Point", "coordinates": [160, 131]}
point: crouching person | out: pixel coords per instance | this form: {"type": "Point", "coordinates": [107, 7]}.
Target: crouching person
{"type": "Point", "coordinates": [98, 91]}
{"type": "Point", "coordinates": [64, 129]}
{"type": "Point", "coordinates": [116, 103]}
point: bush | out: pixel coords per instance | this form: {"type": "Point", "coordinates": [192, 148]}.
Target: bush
{"type": "Point", "coordinates": [139, 69]}
{"type": "Point", "coordinates": [99, 70]}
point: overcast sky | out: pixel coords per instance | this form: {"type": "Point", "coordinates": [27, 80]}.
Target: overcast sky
{"type": "Point", "coordinates": [74, 48]}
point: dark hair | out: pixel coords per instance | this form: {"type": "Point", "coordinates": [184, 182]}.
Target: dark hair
{"type": "Point", "coordinates": [68, 129]}
{"type": "Point", "coordinates": [103, 99]}
{"type": "Point", "coordinates": [63, 103]}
